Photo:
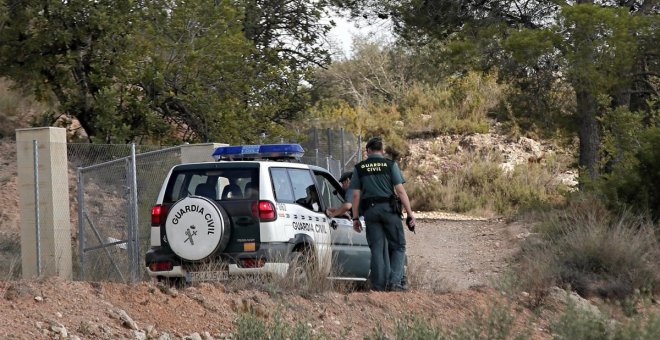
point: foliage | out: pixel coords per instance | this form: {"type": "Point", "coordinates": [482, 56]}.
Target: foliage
{"type": "Point", "coordinates": [631, 153]}
{"type": "Point", "coordinates": [253, 327]}
{"type": "Point", "coordinates": [559, 58]}
{"type": "Point", "coordinates": [592, 251]}
{"type": "Point", "coordinates": [166, 70]}
{"type": "Point", "coordinates": [16, 109]}
{"type": "Point", "coordinates": [494, 323]}
{"type": "Point", "coordinates": [480, 186]}
{"type": "Point", "coordinates": [375, 92]}
{"type": "Point", "coordinates": [583, 325]}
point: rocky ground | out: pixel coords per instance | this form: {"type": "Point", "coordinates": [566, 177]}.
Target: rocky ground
{"type": "Point", "coordinates": [455, 265]}
{"type": "Point", "coordinates": [453, 262]}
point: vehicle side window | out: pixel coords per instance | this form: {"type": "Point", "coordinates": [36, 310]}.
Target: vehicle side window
{"type": "Point", "coordinates": [304, 190]}
{"type": "Point", "coordinates": [281, 185]}
{"type": "Point", "coordinates": [330, 192]}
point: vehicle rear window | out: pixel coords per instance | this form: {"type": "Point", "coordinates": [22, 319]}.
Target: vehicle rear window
{"type": "Point", "coordinates": [217, 184]}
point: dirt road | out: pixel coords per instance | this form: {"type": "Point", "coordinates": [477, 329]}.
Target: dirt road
{"type": "Point", "coordinates": [459, 251]}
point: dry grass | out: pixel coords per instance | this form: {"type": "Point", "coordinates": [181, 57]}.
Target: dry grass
{"type": "Point", "coordinates": [306, 276]}
{"type": "Point", "coordinates": [421, 278]}
{"type": "Point", "coordinates": [593, 252]}
{"type": "Point", "coordinates": [479, 186]}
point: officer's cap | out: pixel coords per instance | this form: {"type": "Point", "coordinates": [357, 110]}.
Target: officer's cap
{"type": "Point", "coordinates": [346, 175]}
{"type": "Point", "coordinates": [375, 143]}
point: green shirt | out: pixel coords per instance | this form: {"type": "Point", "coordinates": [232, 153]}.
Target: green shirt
{"type": "Point", "coordinates": [376, 177]}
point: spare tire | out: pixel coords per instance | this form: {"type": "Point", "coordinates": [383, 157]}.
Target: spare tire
{"type": "Point", "coordinates": [196, 228]}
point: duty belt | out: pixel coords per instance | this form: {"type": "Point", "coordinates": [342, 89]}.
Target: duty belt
{"type": "Point", "coordinates": [369, 202]}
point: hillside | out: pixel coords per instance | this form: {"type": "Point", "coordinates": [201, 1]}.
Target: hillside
{"type": "Point", "coordinates": [458, 273]}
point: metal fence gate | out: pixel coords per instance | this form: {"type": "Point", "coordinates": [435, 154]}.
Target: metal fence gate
{"type": "Point", "coordinates": [114, 200]}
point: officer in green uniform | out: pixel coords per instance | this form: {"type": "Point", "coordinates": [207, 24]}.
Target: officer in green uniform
{"type": "Point", "coordinates": [376, 182]}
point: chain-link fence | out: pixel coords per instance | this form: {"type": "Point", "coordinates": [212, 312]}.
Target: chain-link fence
{"type": "Point", "coordinates": [335, 150]}
{"type": "Point", "coordinates": [113, 206]}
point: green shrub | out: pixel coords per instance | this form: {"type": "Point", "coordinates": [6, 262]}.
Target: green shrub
{"type": "Point", "coordinates": [578, 324]}
{"type": "Point", "coordinates": [631, 161]}
{"type": "Point", "coordinates": [481, 186]}
{"type": "Point", "coordinates": [249, 326]}
{"type": "Point", "coordinates": [593, 252]}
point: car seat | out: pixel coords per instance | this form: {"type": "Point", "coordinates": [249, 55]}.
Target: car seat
{"type": "Point", "coordinates": [232, 191]}
{"type": "Point", "coordinates": [252, 190]}
{"type": "Point", "coordinates": [206, 190]}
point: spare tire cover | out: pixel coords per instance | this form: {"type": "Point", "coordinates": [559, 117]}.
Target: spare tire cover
{"type": "Point", "coordinates": [196, 228]}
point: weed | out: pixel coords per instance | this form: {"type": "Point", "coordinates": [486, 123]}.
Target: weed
{"type": "Point", "coordinates": [481, 186]}
{"type": "Point", "coordinates": [250, 326]}
{"type": "Point", "coordinates": [415, 327]}
{"type": "Point", "coordinates": [592, 251]}
{"type": "Point", "coordinates": [421, 278]}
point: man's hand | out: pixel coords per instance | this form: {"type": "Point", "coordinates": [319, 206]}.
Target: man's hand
{"type": "Point", "coordinates": [410, 222]}
{"type": "Point", "coordinates": [357, 226]}
{"type": "Point", "coordinates": [330, 212]}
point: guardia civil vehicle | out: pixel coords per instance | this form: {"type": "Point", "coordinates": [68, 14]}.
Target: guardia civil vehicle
{"type": "Point", "coordinates": [256, 210]}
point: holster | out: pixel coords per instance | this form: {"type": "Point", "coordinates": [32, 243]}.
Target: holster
{"type": "Point", "coordinates": [396, 205]}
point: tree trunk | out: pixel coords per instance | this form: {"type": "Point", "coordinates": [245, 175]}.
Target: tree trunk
{"type": "Point", "coordinates": [588, 132]}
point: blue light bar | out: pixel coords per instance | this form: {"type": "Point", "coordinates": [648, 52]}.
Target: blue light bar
{"type": "Point", "coordinates": [265, 151]}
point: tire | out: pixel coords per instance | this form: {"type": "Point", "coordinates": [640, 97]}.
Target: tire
{"type": "Point", "coordinates": [302, 269]}
{"type": "Point", "coordinates": [197, 228]}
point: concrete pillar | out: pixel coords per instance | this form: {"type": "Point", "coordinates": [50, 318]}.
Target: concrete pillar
{"type": "Point", "coordinates": [194, 153]}
{"type": "Point", "coordinates": [54, 221]}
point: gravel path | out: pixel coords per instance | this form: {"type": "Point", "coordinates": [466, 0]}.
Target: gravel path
{"type": "Point", "coordinates": [460, 252]}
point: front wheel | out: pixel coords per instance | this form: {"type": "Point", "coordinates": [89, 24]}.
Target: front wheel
{"type": "Point", "coordinates": [302, 270]}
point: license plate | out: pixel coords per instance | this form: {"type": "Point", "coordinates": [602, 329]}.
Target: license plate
{"type": "Point", "coordinates": [207, 276]}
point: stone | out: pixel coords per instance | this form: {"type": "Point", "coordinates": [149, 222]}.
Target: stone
{"type": "Point", "coordinates": [61, 330]}
{"type": "Point", "coordinates": [139, 335]}
{"type": "Point", "coordinates": [207, 336]}
{"type": "Point", "coordinates": [194, 336]}
{"type": "Point", "coordinates": [127, 321]}
{"type": "Point", "coordinates": [38, 299]}
{"type": "Point", "coordinates": [165, 336]}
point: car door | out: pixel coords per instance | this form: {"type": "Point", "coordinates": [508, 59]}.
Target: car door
{"type": "Point", "coordinates": [350, 252]}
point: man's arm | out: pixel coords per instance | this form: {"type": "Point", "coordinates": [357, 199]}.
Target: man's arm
{"type": "Point", "coordinates": [401, 192]}
{"type": "Point", "coordinates": [357, 225]}
{"type": "Point", "coordinates": [342, 210]}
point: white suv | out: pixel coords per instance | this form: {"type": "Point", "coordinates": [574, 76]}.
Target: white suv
{"type": "Point", "coordinates": [255, 210]}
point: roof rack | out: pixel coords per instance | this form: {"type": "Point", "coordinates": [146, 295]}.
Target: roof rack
{"type": "Point", "coordinates": [273, 152]}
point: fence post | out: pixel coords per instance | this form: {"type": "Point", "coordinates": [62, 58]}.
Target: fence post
{"type": "Point", "coordinates": [359, 149]}
{"type": "Point", "coordinates": [329, 140]}
{"type": "Point", "coordinates": [53, 203]}
{"type": "Point", "coordinates": [135, 240]}
{"type": "Point", "coordinates": [343, 157]}
{"type": "Point", "coordinates": [81, 221]}
{"type": "Point", "coordinates": [129, 208]}
{"type": "Point", "coordinates": [37, 213]}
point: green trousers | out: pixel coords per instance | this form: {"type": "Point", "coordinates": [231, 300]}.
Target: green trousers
{"type": "Point", "coordinates": [387, 244]}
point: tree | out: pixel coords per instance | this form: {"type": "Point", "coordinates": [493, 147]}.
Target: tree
{"type": "Point", "coordinates": [75, 51]}
{"type": "Point", "coordinates": [160, 70]}
{"type": "Point", "coordinates": [598, 47]}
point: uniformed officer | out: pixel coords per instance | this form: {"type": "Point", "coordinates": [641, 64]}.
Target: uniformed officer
{"type": "Point", "coordinates": [376, 182]}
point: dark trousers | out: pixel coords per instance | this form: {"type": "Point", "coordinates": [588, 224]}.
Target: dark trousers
{"type": "Point", "coordinates": [387, 244]}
